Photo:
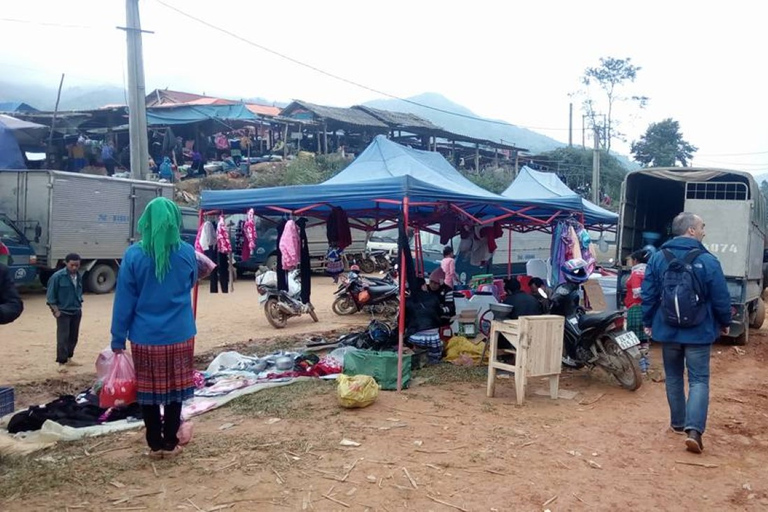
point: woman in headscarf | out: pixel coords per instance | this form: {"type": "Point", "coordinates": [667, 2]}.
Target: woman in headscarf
{"type": "Point", "coordinates": [153, 309]}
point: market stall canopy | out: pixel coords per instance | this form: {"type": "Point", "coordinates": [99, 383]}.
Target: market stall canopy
{"type": "Point", "coordinates": [10, 154]}
{"type": "Point", "coordinates": [165, 116]}
{"type": "Point", "coordinates": [374, 186]}
{"type": "Point", "coordinates": [26, 133]}
{"type": "Point", "coordinates": [536, 185]}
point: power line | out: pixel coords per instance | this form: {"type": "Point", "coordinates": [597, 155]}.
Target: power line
{"type": "Point", "coordinates": [346, 80]}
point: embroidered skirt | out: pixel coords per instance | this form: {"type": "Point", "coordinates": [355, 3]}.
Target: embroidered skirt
{"type": "Point", "coordinates": [635, 322]}
{"type": "Point", "coordinates": [164, 373]}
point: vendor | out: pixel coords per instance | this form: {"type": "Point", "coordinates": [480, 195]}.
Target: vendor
{"type": "Point", "coordinates": [522, 303]}
{"type": "Point", "coordinates": [540, 292]}
{"type": "Point", "coordinates": [444, 294]}
{"type": "Point", "coordinates": [423, 320]}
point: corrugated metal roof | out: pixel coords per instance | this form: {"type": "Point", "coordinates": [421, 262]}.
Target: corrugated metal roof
{"type": "Point", "coordinates": [340, 115]}
{"type": "Point", "coordinates": [263, 110]}
{"type": "Point", "coordinates": [398, 119]}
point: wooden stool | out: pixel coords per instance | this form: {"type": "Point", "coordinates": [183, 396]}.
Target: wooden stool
{"type": "Point", "coordinates": [537, 344]}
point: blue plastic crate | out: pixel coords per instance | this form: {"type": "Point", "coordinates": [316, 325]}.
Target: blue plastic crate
{"type": "Point", "coordinates": [7, 405]}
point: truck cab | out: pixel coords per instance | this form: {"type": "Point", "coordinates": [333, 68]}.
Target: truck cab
{"type": "Point", "coordinates": [21, 259]}
{"type": "Point", "coordinates": [734, 211]}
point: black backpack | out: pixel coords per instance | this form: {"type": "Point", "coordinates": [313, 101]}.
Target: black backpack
{"type": "Point", "coordinates": [682, 296]}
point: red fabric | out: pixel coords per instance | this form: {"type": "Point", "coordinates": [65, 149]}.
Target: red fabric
{"type": "Point", "coordinates": [338, 229]}
{"type": "Point", "coordinates": [635, 281]}
{"type": "Point", "coordinates": [492, 233]}
{"type": "Point", "coordinates": [164, 373]}
{"type": "Point", "coordinates": [222, 237]}
{"type": "Point", "coordinates": [249, 230]}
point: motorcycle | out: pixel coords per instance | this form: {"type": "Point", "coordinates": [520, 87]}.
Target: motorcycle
{"type": "Point", "coordinates": [280, 305]}
{"type": "Point", "coordinates": [597, 339]}
{"type": "Point", "coordinates": [373, 295]}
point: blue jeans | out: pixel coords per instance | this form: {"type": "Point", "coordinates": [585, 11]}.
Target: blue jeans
{"type": "Point", "coordinates": [690, 414]}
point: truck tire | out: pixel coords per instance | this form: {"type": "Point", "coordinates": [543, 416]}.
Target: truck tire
{"type": "Point", "coordinates": [757, 317]}
{"type": "Point", "coordinates": [101, 279]}
{"type": "Point", "coordinates": [45, 276]}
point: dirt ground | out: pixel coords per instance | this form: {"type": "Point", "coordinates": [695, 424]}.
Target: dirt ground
{"type": "Point", "coordinates": [441, 445]}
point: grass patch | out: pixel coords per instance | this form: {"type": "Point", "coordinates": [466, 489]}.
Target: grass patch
{"type": "Point", "coordinates": [440, 374]}
{"type": "Point", "coordinates": [291, 401]}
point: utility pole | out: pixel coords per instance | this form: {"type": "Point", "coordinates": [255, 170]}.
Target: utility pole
{"type": "Point", "coordinates": [137, 93]}
{"type": "Point", "coordinates": [570, 125]}
{"type": "Point", "coordinates": [596, 167]}
{"type": "Point", "coordinates": [583, 132]}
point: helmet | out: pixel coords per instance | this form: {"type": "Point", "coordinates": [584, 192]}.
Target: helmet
{"type": "Point", "coordinates": [575, 270]}
{"type": "Point", "coordinates": [354, 268]}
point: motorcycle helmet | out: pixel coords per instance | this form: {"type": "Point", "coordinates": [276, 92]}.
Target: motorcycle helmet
{"type": "Point", "coordinates": [364, 296]}
{"type": "Point", "coordinates": [354, 268]}
{"type": "Point", "coordinates": [575, 270]}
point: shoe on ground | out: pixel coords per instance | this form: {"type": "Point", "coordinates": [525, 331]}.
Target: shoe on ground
{"type": "Point", "coordinates": [170, 454]}
{"type": "Point", "coordinates": [693, 443]}
{"type": "Point", "coordinates": [62, 368]}
{"type": "Point", "coordinates": [72, 362]}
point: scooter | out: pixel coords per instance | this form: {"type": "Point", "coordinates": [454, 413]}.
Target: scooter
{"type": "Point", "coordinates": [597, 339]}
{"type": "Point", "coordinates": [280, 305]}
{"type": "Point", "coordinates": [376, 296]}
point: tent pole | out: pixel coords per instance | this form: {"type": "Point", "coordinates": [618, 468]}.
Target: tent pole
{"type": "Point", "coordinates": [509, 253]}
{"type": "Point", "coordinates": [401, 320]}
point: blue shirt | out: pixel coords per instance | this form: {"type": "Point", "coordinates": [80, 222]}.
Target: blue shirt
{"type": "Point", "coordinates": [107, 152]}
{"type": "Point", "coordinates": [65, 291]}
{"type": "Point", "coordinates": [149, 312]}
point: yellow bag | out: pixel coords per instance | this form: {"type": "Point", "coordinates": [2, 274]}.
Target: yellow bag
{"type": "Point", "coordinates": [459, 346]}
{"type": "Point", "coordinates": [356, 390]}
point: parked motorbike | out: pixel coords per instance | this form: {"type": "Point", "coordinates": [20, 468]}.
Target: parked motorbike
{"type": "Point", "coordinates": [373, 295]}
{"type": "Point", "coordinates": [280, 305]}
{"type": "Point", "coordinates": [597, 339]}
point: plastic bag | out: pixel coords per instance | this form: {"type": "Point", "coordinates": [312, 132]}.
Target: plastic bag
{"type": "Point", "coordinates": [356, 391]}
{"type": "Point", "coordinates": [204, 265]}
{"type": "Point", "coordinates": [120, 386]}
{"type": "Point", "coordinates": [103, 363]}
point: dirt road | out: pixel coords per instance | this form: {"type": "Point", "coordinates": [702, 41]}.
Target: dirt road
{"type": "Point", "coordinates": [29, 344]}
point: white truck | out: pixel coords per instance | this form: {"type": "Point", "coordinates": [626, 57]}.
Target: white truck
{"type": "Point", "coordinates": [93, 216]}
{"type": "Point", "coordinates": [734, 212]}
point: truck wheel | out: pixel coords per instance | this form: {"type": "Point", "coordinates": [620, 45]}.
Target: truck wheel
{"type": "Point", "coordinates": [101, 279]}
{"type": "Point", "coordinates": [757, 318]}
{"type": "Point", "coordinates": [45, 276]}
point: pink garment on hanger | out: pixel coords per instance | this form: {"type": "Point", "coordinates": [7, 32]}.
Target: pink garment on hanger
{"type": "Point", "coordinates": [249, 230]}
{"type": "Point", "coordinates": [290, 246]}
{"type": "Point", "coordinates": [222, 237]}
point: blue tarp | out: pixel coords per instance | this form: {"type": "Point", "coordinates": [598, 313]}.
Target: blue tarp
{"type": "Point", "coordinates": [164, 116]}
{"type": "Point", "coordinates": [385, 172]}
{"type": "Point", "coordinates": [10, 154]}
{"type": "Point", "coordinates": [546, 186]}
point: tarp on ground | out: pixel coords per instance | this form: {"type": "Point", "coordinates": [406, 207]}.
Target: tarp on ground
{"type": "Point", "coordinates": [165, 116]}
{"type": "Point", "coordinates": [376, 182]}
{"type": "Point", "coordinates": [537, 185]}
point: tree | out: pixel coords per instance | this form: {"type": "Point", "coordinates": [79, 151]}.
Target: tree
{"type": "Point", "coordinates": [610, 76]}
{"type": "Point", "coordinates": [663, 145]}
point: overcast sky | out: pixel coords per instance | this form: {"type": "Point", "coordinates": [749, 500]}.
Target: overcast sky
{"type": "Point", "coordinates": [702, 63]}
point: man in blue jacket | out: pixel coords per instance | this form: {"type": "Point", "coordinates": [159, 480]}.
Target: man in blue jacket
{"type": "Point", "coordinates": [690, 345]}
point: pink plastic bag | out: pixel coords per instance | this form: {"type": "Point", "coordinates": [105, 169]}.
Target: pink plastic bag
{"type": "Point", "coordinates": [103, 363]}
{"type": "Point", "coordinates": [185, 433]}
{"type": "Point", "coordinates": [204, 265]}
{"type": "Point", "coordinates": [120, 386]}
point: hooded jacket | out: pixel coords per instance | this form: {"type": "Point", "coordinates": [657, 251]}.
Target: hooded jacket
{"type": "Point", "coordinates": [710, 274]}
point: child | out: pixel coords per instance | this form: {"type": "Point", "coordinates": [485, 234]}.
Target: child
{"type": "Point", "coordinates": [632, 301]}
{"type": "Point", "coordinates": [449, 267]}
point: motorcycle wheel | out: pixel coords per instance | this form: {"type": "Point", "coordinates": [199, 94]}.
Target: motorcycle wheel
{"type": "Point", "coordinates": [621, 365]}
{"type": "Point", "coordinates": [275, 317]}
{"type": "Point", "coordinates": [367, 266]}
{"type": "Point", "coordinates": [344, 306]}
{"type": "Point", "coordinates": [312, 314]}
{"type": "Point", "coordinates": [382, 263]}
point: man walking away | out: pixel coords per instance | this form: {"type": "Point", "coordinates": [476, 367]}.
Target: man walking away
{"type": "Point", "coordinates": [10, 301]}
{"type": "Point", "coordinates": [65, 298]}
{"type": "Point", "coordinates": [686, 305]}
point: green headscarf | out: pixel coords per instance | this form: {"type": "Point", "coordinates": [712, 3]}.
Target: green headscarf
{"type": "Point", "coordinates": [160, 228]}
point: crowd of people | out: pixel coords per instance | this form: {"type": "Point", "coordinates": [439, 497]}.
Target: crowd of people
{"type": "Point", "coordinates": [676, 296]}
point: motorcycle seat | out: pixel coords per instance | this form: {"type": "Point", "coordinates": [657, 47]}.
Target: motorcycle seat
{"type": "Point", "coordinates": [380, 289]}
{"type": "Point", "coordinates": [589, 320]}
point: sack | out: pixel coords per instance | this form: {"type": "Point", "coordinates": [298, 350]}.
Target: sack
{"type": "Point", "coordinates": [682, 296]}
{"type": "Point", "coordinates": [382, 366]}
{"type": "Point", "coordinates": [120, 386]}
{"type": "Point", "coordinates": [356, 391]}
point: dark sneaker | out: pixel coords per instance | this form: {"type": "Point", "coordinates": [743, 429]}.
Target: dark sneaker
{"type": "Point", "coordinates": [693, 443]}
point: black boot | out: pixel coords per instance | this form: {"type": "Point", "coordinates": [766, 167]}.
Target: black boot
{"type": "Point", "coordinates": [694, 443]}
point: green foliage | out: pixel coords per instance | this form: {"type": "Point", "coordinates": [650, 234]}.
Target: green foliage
{"type": "Point", "coordinates": [494, 180]}
{"type": "Point", "coordinates": [611, 75]}
{"type": "Point", "coordinates": [304, 170]}
{"type": "Point", "coordinates": [663, 145]}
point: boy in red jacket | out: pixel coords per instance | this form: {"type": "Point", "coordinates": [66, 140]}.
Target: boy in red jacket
{"type": "Point", "coordinates": [632, 301]}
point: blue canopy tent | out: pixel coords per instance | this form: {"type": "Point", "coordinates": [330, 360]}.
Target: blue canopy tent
{"type": "Point", "coordinates": [385, 182]}
{"type": "Point", "coordinates": [185, 114]}
{"type": "Point", "coordinates": [546, 186]}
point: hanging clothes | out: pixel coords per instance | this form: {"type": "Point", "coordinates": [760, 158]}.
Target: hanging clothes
{"type": "Point", "coordinates": [169, 142]}
{"type": "Point", "coordinates": [465, 245]}
{"type": "Point", "coordinates": [290, 246]}
{"type": "Point", "coordinates": [249, 230]}
{"type": "Point", "coordinates": [222, 237]}
{"type": "Point", "coordinates": [449, 225]}
{"type": "Point", "coordinates": [480, 251]}
{"type": "Point", "coordinates": [282, 278]}
{"type": "Point", "coordinates": [206, 237]}
{"type": "Point", "coordinates": [305, 269]}
{"type": "Point", "coordinates": [337, 228]}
